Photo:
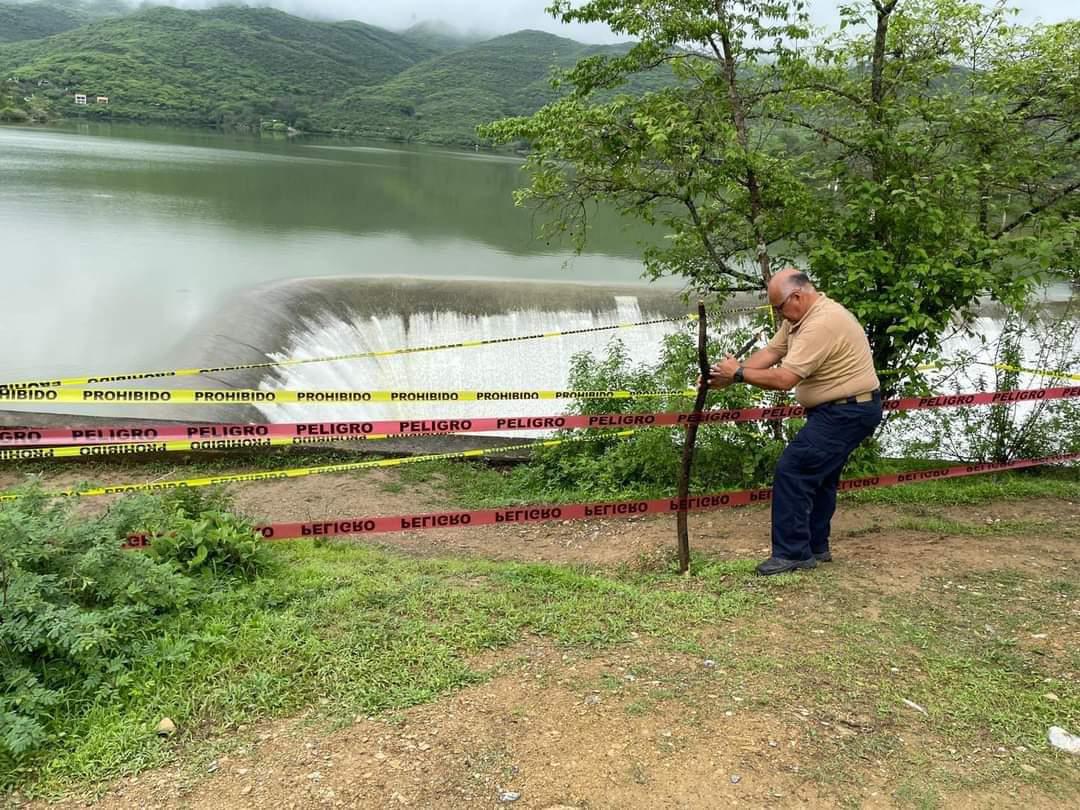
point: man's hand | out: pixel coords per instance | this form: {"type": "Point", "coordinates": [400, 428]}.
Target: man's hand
{"type": "Point", "coordinates": [722, 373]}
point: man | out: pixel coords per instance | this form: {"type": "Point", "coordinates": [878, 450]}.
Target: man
{"type": "Point", "coordinates": [822, 352]}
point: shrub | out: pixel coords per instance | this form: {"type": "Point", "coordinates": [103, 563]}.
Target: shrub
{"type": "Point", "coordinates": [75, 606]}
{"type": "Point", "coordinates": [211, 544]}
{"type": "Point", "coordinates": [194, 528]}
{"type": "Point", "coordinates": [727, 454]}
{"type": "Point", "coordinates": [1002, 433]}
{"type": "Point", "coordinates": [72, 602]}
{"type": "Point", "coordinates": [14, 114]}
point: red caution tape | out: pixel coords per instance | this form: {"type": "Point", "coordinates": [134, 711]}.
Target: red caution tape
{"type": "Point", "coordinates": [606, 509]}
{"type": "Point", "coordinates": [324, 431]}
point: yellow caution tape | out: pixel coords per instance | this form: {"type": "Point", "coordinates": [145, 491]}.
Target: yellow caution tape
{"type": "Point", "coordinates": [60, 382]}
{"type": "Point", "coordinates": [176, 446]}
{"type": "Point", "coordinates": [240, 396]}
{"type": "Point", "coordinates": [300, 472]}
{"type": "Point", "coordinates": [1042, 372]}
{"type": "Point", "coordinates": [194, 372]}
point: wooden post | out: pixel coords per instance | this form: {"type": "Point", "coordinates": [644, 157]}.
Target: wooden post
{"type": "Point", "coordinates": [691, 438]}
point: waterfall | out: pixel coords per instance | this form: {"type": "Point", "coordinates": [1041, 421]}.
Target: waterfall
{"type": "Point", "coordinates": [526, 365]}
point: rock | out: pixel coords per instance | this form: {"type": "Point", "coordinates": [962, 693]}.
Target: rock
{"type": "Point", "coordinates": [507, 796]}
{"type": "Point", "coordinates": [1063, 740]}
{"type": "Point", "coordinates": [708, 663]}
{"type": "Point", "coordinates": [592, 700]}
{"type": "Point", "coordinates": [735, 779]}
{"type": "Point", "coordinates": [166, 728]}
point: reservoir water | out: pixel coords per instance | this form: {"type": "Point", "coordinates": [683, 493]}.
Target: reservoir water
{"type": "Point", "coordinates": [128, 248]}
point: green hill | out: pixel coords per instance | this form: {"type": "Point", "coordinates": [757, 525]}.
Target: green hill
{"type": "Point", "coordinates": [255, 68]}
{"type": "Point", "coordinates": [37, 20]}
{"type": "Point", "coordinates": [442, 99]}
{"type": "Point", "coordinates": [222, 66]}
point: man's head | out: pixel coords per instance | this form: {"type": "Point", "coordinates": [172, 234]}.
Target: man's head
{"type": "Point", "coordinates": [791, 294]}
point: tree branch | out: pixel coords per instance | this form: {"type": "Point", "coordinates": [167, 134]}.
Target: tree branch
{"type": "Point", "coordinates": [819, 130]}
{"type": "Point", "coordinates": [718, 260]}
{"type": "Point", "coordinates": [1038, 209]}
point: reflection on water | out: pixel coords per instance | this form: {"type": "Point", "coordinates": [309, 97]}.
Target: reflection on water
{"type": "Point", "coordinates": [119, 240]}
{"type": "Point", "coordinates": [130, 249]}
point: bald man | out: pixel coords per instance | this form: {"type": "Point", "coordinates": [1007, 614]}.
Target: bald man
{"type": "Point", "coordinates": [822, 352]}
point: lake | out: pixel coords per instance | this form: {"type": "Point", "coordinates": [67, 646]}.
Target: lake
{"type": "Point", "coordinates": [120, 241]}
{"type": "Point", "coordinates": [133, 248]}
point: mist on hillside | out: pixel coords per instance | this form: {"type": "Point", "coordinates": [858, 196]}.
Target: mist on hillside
{"type": "Point", "coordinates": [479, 19]}
{"type": "Point", "coordinates": [462, 19]}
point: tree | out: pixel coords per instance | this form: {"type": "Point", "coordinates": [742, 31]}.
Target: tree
{"type": "Point", "coordinates": [920, 158]}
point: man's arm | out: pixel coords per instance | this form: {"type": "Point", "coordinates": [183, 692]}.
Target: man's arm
{"type": "Point", "coordinates": [759, 374]}
{"type": "Point", "coordinates": [763, 358]}
{"type": "Point", "coordinates": [771, 379]}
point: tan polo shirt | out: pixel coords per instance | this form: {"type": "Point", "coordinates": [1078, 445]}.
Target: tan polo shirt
{"type": "Point", "coordinates": [828, 349]}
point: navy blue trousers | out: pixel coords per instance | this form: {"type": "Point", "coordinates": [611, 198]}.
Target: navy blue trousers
{"type": "Point", "coordinates": [804, 488]}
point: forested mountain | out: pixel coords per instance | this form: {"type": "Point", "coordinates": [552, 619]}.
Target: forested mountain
{"type": "Point", "coordinates": [221, 66]}
{"type": "Point", "coordinates": [37, 20]}
{"type": "Point", "coordinates": [443, 98]}
{"type": "Point", "coordinates": [245, 67]}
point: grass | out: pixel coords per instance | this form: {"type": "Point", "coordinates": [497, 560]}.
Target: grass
{"type": "Point", "coordinates": [1045, 482]}
{"type": "Point", "coordinates": [340, 629]}
{"type": "Point", "coordinates": [353, 630]}
{"type": "Point", "coordinates": [932, 524]}
{"type": "Point", "coordinates": [963, 649]}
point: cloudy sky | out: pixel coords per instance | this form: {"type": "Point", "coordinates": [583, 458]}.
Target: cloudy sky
{"type": "Point", "coordinates": [503, 16]}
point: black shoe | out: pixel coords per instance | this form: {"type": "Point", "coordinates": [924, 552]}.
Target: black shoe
{"type": "Point", "coordinates": [780, 565]}
{"type": "Point", "coordinates": [825, 556]}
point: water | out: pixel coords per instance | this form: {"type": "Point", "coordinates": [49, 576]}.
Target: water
{"type": "Point", "coordinates": [121, 242]}
{"type": "Point", "coordinates": [130, 249]}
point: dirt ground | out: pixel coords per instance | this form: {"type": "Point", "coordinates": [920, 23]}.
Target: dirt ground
{"type": "Point", "coordinates": [543, 725]}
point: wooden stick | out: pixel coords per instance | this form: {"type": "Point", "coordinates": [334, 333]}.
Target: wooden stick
{"type": "Point", "coordinates": [688, 445]}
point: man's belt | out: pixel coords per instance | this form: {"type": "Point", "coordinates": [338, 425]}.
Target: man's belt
{"type": "Point", "coordinates": [869, 396]}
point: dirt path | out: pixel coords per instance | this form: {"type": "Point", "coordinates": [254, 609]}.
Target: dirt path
{"type": "Point", "coordinates": [639, 725]}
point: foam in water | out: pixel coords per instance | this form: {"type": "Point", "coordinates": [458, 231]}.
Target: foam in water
{"type": "Point", "coordinates": [532, 364]}
{"type": "Point", "coordinates": [483, 313]}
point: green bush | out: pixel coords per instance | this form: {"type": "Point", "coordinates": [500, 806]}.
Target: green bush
{"type": "Point", "coordinates": [14, 114]}
{"type": "Point", "coordinates": [75, 606]}
{"type": "Point", "coordinates": [191, 502]}
{"type": "Point", "coordinates": [72, 604]}
{"type": "Point", "coordinates": [195, 530]}
{"type": "Point", "coordinates": [647, 463]}
{"type": "Point", "coordinates": [212, 544]}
